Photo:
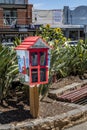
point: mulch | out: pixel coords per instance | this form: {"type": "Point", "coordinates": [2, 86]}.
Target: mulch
{"type": "Point", "coordinates": [16, 107]}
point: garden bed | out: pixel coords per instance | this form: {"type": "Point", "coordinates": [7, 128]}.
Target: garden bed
{"type": "Point", "coordinates": [16, 108]}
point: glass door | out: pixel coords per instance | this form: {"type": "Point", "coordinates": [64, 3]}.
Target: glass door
{"type": "Point", "coordinates": [38, 67]}
{"type": "Point", "coordinates": [34, 66]}
{"type": "Point", "coordinates": [42, 66]}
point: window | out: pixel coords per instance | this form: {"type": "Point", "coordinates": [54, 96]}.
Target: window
{"type": "Point", "coordinates": [34, 73]}
{"type": "Point", "coordinates": [42, 58]}
{"type": "Point", "coordinates": [34, 59]}
{"type": "Point", "coordinates": [38, 67]}
{"type": "Point", "coordinates": [1, 1]}
{"type": "Point", "coordinates": [19, 1]}
{"type": "Point", "coordinates": [12, 1]}
{"type": "Point", "coordinates": [42, 74]}
{"type": "Point", "coordinates": [10, 17]}
{"type": "Point", "coordinates": [7, 1]}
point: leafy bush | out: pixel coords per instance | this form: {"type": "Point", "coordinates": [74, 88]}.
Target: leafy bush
{"type": "Point", "coordinates": [69, 60]}
{"type": "Point", "coordinates": [53, 36]}
{"type": "Point", "coordinates": [8, 69]}
{"type": "Point", "coordinates": [65, 60]}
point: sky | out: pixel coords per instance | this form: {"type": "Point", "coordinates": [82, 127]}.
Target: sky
{"type": "Point", "coordinates": [56, 4]}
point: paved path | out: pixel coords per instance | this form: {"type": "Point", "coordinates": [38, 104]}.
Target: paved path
{"type": "Point", "coordinates": [82, 126]}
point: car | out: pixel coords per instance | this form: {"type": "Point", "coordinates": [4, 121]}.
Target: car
{"type": "Point", "coordinates": [71, 43]}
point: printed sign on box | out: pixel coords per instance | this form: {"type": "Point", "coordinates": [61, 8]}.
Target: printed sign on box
{"type": "Point", "coordinates": [23, 63]}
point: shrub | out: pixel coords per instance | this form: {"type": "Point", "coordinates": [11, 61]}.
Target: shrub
{"type": "Point", "coordinates": [8, 69]}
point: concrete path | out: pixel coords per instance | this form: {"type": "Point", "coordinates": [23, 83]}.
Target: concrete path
{"type": "Point", "coordinates": [82, 126]}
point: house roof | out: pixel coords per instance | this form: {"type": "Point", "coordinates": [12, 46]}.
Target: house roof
{"type": "Point", "coordinates": [29, 42]}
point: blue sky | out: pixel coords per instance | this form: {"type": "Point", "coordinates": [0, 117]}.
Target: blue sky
{"type": "Point", "coordinates": [56, 4]}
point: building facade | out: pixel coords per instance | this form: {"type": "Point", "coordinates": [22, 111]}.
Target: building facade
{"type": "Point", "coordinates": [76, 20]}
{"type": "Point", "coordinates": [52, 17]}
{"type": "Point", "coordinates": [15, 19]}
{"type": "Point", "coordinates": [19, 19]}
{"type": "Point", "coordinates": [73, 22]}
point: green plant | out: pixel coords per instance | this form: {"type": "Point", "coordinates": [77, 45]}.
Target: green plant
{"type": "Point", "coordinates": [53, 36]}
{"type": "Point", "coordinates": [69, 60]}
{"type": "Point", "coordinates": [8, 70]}
{"type": "Point", "coordinates": [65, 60]}
{"type": "Point", "coordinates": [17, 41]}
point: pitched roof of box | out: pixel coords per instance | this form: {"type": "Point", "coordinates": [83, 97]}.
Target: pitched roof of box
{"type": "Point", "coordinates": [29, 42]}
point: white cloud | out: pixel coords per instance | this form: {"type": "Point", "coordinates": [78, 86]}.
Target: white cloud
{"type": "Point", "coordinates": [38, 5]}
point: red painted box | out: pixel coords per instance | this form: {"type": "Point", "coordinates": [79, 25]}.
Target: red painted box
{"type": "Point", "coordinates": [33, 60]}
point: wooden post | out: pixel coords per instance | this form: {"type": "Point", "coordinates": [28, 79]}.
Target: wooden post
{"type": "Point", "coordinates": [34, 101]}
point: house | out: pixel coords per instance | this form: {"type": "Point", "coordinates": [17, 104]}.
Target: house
{"type": "Point", "coordinates": [15, 19]}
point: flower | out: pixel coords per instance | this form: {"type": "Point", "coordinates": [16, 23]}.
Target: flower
{"type": "Point", "coordinates": [57, 30]}
{"type": "Point", "coordinates": [64, 39]}
{"type": "Point", "coordinates": [47, 25]}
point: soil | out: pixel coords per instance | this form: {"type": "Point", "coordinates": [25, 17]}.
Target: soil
{"type": "Point", "coordinates": [16, 107]}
